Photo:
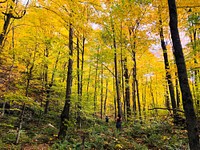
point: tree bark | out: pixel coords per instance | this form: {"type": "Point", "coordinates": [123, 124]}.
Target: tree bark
{"type": "Point", "coordinates": [116, 71]}
{"type": "Point", "coordinates": [167, 68]}
{"type": "Point", "coordinates": [106, 96]}
{"type": "Point", "coordinates": [78, 85]}
{"type": "Point", "coordinates": [191, 120]}
{"type": "Point", "coordinates": [8, 15]}
{"type": "Point", "coordinates": [177, 91]}
{"type": "Point", "coordinates": [127, 90]}
{"type": "Point", "coordinates": [47, 90]}
{"type": "Point", "coordinates": [5, 28]}
{"type": "Point", "coordinates": [194, 41]}
{"type": "Point", "coordinates": [102, 91]}
{"type": "Point", "coordinates": [167, 102]}
{"type": "Point", "coordinates": [134, 85]}
{"type": "Point", "coordinates": [122, 71]}
{"type": "Point", "coordinates": [138, 99]}
{"type": "Point", "coordinates": [66, 110]}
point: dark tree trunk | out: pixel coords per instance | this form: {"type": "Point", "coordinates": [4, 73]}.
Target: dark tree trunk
{"type": "Point", "coordinates": [194, 41]}
{"type": "Point", "coordinates": [167, 68]}
{"type": "Point", "coordinates": [138, 99]}
{"type": "Point", "coordinates": [66, 110]}
{"type": "Point", "coordinates": [122, 71]}
{"type": "Point", "coordinates": [106, 96]}
{"type": "Point", "coordinates": [127, 90]}
{"type": "Point", "coordinates": [8, 15]}
{"type": "Point", "coordinates": [167, 103]}
{"type": "Point", "coordinates": [101, 91]}
{"type": "Point", "coordinates": [119, 108]}
{"type": "Point", "coordinates": [191, 120]}
{"type": "Point", "coordinates": [177, 91]}
{"type": "Point", "coordinates": [47, 90]}
{"type": "Point", "coordinates": [78, 85]}
{"type": "Point", "coordinates": [5, 28]}
{"type": "Point", "coordinates": [114, 97]}
{"type": "Point", "coordinates": [134, 85]}
{"type": "Point", "coordinates": [80, 78]}
{"type": "Point", "coordinates": [82, 65]}
{"type": "Point", "coordinates": [133, 35]}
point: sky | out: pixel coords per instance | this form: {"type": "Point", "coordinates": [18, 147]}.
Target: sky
{"type": "Point", "coordinates": [24, 1]}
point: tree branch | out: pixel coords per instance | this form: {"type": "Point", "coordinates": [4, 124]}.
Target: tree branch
{"type": "Point", "coordinates": [3, 1]}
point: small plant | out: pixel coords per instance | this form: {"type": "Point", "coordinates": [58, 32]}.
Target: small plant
{"type": "Point", "coordinates": [9, 138]}
{"type": "Point", "coordinates": [61, 145]}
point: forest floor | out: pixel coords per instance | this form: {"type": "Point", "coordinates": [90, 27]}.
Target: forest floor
{"type": "Point", "coordinates": [40, 133]}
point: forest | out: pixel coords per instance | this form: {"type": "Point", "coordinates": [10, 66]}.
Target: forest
{"type": "Point", "coordinates": [99, 74]}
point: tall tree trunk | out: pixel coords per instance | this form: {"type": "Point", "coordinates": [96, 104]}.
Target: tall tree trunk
{"type": "Point", "coordinates": [138, 99]}
{"type": "Point", "coordinates": [78, 85]}
{"type": "Point", "coordinates": [177, 91]}
{"type": "Point", "coordinates": [5, 28]}
{"type": "Point", "coordinates": [102, 90]}
{"type": "Point", "coordinates": [122, 71]}
{"type": "Point", "coordinates": [127, 90]}
{"type": "Point", "coordinates": [66, 110]}
{"type": "Point", "coordinates": [191, 120]}
{"type": "Point", "coordinates": [167, 102]}
{"type": "Point", "coordinates": [82, 64]}
{"type": "Point", "coordinates": [133, 34]}
{"type": "Point", "coordinates": [119, 108]}
{"type": "Point", "coordinates": [194, 40]}
{"type": "Point", "coordinates": [167, 68]}
{"type": "Point", "coordinates": [106, 96]}
{"type": "Point", "coordinates": [47, 90]}
{"type": "Point", "coordinates": [80, 77]}
{"type": "Point", "coordinates": [134, 86]}
{"type": "Point", "coordinates": [114, 97]}
{"type": "Point", "coordinates": [96, 82]}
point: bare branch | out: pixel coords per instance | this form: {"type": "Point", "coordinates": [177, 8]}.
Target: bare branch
{"type": "Point", "coordinates": [3, 1]}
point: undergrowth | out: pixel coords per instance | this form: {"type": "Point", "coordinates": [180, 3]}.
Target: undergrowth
{"type": "Point", "coordinates": [96, 135]}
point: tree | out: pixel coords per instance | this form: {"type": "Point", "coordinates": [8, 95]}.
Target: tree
{"type": "Point", "coordinates": [191, 120]}
{"type": "Point", "coordinates": [119, 107]}
{"type": "Point", "coordinates": [10, 13]}
{"type": "Point", "coordinates": [167, 67]}
{"type": "Point", "coordinates": [127, 89]}
{"type": "Point", "coordinates": [66, 110]}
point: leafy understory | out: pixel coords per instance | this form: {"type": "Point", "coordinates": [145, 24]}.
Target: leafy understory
{"type": "Point", "coordinates": [96, 134]}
